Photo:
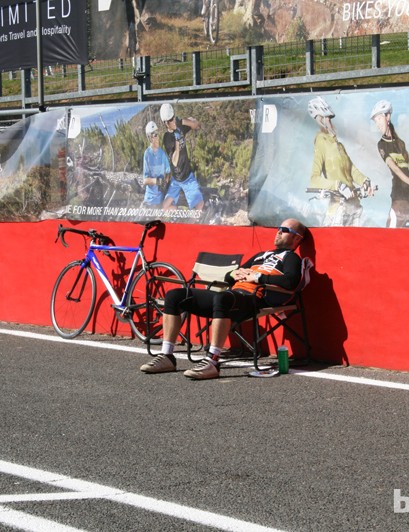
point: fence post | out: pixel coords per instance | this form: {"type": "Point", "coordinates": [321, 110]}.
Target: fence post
{"type": "Point", "coordinates": [142, 74]}
{"type": "Point", "coordinates": [197, 75]}
{"type": "Point", "coordinates": [25, 85]}
{"type": "Point", "coordinates": [81, 77]}
{"type": "Point", "coordinates": [147, 69]}
{"type": "Point", "coordinates": [256, 67]}
{"type": "Point", "coordinates": [376, 51]}
{"type": "Point", "coordinates": [309, 58]}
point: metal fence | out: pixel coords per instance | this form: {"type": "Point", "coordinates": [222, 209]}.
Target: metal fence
{"type": "Point", "coordinates": [254, 70]}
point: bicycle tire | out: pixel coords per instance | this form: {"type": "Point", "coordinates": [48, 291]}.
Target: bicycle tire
{"type": "Point", "coordinates": [136, 300]}
{"type": "Point", "coordinates": [214, 21]}
{"type": "Point", "coordinates": [70, 316]}
{"type": "Point", "coordinates": [206, 21]}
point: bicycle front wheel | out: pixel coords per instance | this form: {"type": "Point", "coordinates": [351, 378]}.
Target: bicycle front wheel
{"type": "Point", "coordinates": [73, 299]}
{"type": "Point", "coordinates": [157, 289]}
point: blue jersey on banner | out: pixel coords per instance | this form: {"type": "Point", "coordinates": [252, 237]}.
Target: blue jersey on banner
{"type": "Point", "coordinates": [155, 165]}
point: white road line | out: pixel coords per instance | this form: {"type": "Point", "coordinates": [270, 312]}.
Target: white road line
{"type": "Point", "coordinates": [41, 497]}
{"type": "Point", "coordinates": [354, 380]}
{"type": "Point", "coordinates": [49, 338]}
{"type": "Point", "coordinates": [112, 346]}
{"type": "Point", "coordinates": [32, 523]}
{"type": "Point", "coordinates": [98, 491]}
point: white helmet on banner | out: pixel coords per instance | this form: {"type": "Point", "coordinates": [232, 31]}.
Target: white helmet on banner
{"type": "Point", "coordinates": [166, 112]}
{"type": "Point", "coordinates": [319, 107]}
{"type": "Point", "coordinates": [151, 127]}
{"type": "Point", "coordinates": [382, 107]}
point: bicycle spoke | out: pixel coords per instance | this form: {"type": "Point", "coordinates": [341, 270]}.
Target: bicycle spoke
{"type": "Point", "coordinates": [141, 321]}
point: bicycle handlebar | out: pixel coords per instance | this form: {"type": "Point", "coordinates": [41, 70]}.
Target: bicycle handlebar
{"type": "Point", "coordinates": [358, 191]}
{"type": "Point", "coordinates": [92, 233]}
{"type": "Point", "coordinates": [98, 237]}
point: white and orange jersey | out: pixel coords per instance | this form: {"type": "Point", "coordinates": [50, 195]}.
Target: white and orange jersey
{"type": "Point", "coordinates": [269, 263]}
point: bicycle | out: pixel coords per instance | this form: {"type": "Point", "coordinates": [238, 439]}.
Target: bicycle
{"type": "Point", "coordinates": [323, 193]}
{"type": "Point", "coordinates": [347, 211]}
{"type": "Point", "coordinates": [73, 297]}
{"type": "Point", "coordinates": [211, 20]}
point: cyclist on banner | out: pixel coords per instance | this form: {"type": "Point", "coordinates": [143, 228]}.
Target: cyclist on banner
{"type": "Point", "coordinates": [333, 173]}
{"type": "Point", "coordinates": [156, 168]}
{"type": "Point", "coordinates": [183, 178]}
{"type": "Point", "coordinates": [393, 151]}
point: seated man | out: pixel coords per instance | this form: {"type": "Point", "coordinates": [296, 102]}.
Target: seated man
{"type": "Point", "coordinates": [281, 267]}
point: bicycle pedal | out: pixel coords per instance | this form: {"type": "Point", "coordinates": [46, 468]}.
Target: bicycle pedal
{"type": "Point", "coordinates": [122, 313]}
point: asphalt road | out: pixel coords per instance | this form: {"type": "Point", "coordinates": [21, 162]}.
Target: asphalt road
{"type": "Point", "coordinates": [106, 448]}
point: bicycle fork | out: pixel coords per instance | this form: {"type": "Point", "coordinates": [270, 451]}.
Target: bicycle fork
{"type": "Point", "coordinates": [81, 280]}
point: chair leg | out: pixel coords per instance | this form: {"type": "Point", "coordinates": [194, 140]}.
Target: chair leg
{"type": "Point", "coordinates": [199, 334]}
{"type": "Point", "coordinates": [256, 340]}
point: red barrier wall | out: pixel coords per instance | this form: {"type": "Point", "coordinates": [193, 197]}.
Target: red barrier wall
{"type": "Point", "coordinates": [356, 302]}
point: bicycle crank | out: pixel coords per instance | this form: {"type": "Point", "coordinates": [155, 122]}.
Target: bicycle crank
{"type": "Point", "coordinates": [123, 314]}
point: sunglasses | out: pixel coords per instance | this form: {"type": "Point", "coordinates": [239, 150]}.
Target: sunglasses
{"type": "Point", "coordinates": [154, 135]}
{"type": "Point", "coordinates": [288, 230]}
{"type": "Point", "coordinates": [171, 119]}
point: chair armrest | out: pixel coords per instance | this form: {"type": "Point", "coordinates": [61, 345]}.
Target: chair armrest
{"type": "Point", "coordinates": [275, 288]}
{"type": "Point", "coordinates": [212, 284]}
{"type": "Point", "coordinates": [168, 279]}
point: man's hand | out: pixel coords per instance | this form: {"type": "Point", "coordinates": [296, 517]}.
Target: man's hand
{"type": "Point", "coordinates": [345, 191]}
{"type": "Point", "coordinates": [191, 122]}
{"type": "Point", "coordinates": [244, 274]}
{"type": "Point", "coordinates": [367, 189]}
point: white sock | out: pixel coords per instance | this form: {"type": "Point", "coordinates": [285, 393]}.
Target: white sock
{"type": "Point", "coordinates": [214, 353]}
{"type": "Point", "coordinates": [167, 347]}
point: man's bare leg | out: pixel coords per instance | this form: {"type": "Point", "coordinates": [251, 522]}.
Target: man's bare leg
{"type": "Point", "coordinates": [171, 327]}
{"type": "Point", "coordinates": [220, 331]}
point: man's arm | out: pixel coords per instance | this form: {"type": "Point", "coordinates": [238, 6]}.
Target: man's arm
{"type": "Point", "coordinates": [291, 273]}
{"type": "Point", "coordinates": [396, 170]}
{"type": "Point", "coordinates": [191, 122]}
{"type": "Point", "coordinates": [147, 178]}
{"type": "Point", "coordinates": [289, 279]}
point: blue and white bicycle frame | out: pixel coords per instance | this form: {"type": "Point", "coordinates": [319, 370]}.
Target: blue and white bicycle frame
{"type": "Point", "coordinates": [91, 257]}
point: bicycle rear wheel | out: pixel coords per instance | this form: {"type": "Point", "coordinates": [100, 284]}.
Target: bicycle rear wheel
{"type": "Point", "coordinates": [214, 18]}
{"type": "Point", "coordinates": [137, 300]}
{"type": "Point", "coordinates": [73, 299]}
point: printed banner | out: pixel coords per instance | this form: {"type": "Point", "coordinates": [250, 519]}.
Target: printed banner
{"type": "Point", "coordinates": [29, 174]}
{"type": "Point", "coordinates": [185, 163]}
{"type": "Point", "coordinates": [332, 160]}
{"type": "Point", "coordinates": [64, 37]}
{"type": "Point", "coordinates": [126, 28]}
